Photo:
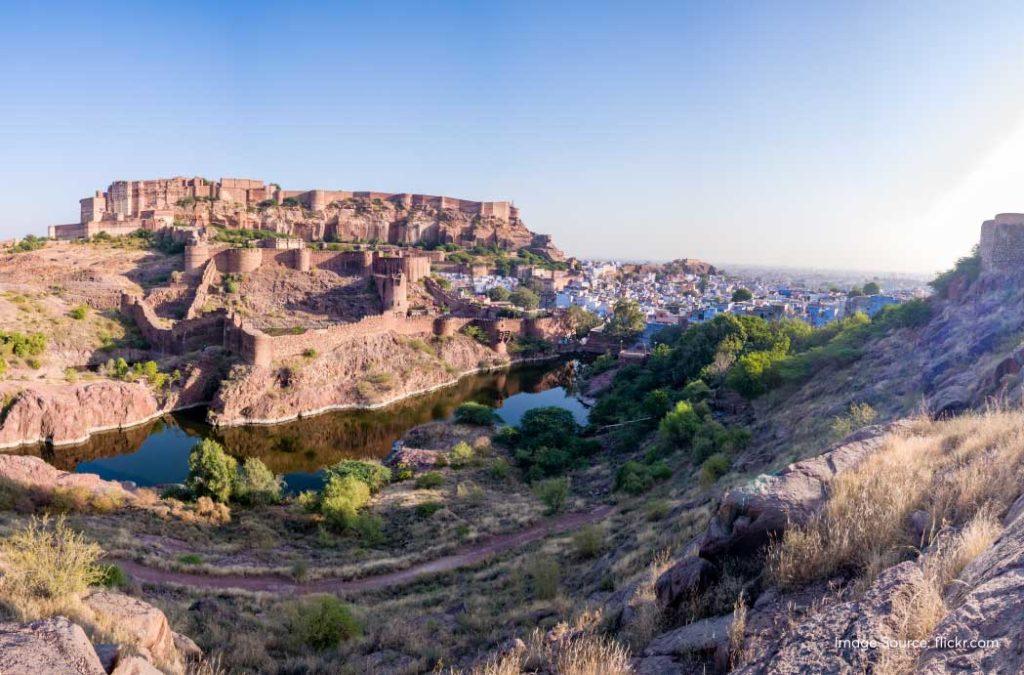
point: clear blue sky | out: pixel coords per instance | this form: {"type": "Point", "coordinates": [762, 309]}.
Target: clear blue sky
{"type": "Point", "coordinates": [859, 135]}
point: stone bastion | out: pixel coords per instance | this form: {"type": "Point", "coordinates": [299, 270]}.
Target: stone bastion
{"type": "Point", "coordinates": [1002, 243]}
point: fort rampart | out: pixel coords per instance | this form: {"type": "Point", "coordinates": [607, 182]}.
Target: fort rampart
{"type": "Point", "coordinates": [1002, 243]}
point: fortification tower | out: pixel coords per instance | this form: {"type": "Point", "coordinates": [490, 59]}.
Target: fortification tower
{"type": "Point", "coordinates": [1002, 243]}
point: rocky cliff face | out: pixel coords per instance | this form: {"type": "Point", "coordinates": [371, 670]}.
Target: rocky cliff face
{"type": "Point", "coordinates": [366, 371]}
{"type": "Point", "coordinates": [69, 413]}
{"type": "Point", "coordinates": [377, 220]}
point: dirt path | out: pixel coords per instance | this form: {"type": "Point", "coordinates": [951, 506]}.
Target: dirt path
{"type": "Point", "coordinates": [470, 555]}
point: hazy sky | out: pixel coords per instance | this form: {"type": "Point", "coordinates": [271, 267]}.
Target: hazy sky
{"type": "Point", "coordinates": [847, 134]}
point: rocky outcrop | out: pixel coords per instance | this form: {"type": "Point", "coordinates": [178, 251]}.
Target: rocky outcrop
{"type": "Point", "coordinates": [68, 414]}
{"type": "Point", "coordinates": [835, 639]}
{"type": "Point", "coordinates": [364, 372]}
{"type": "Point", "coordinates": [749, 515]}
{"type": "Point", "coordinates": [684, 580]}
{"type": "Point", "coordinates": [52, 646]}
{"type": "Point", "coordinates": [33, 474]}
{"type": "Point", "coordinates": [983, 633]}
{"type": "Point", "coordinates": [144, 624]}
{"type": "Point", "coordinates": [58, 646]}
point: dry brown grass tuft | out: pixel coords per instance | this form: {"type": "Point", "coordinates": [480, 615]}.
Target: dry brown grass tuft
{"type": "Point", "coordinates": [577, 653]}
{"type": "Point", "coordinates": [46, 566]}
{"type": "Point", "coordinates": [952, 470]}
{"type": "Point", "coordinates": [919, 607]}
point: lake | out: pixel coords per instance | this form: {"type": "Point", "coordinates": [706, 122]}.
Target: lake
{"type": "Point", "coordinates": [157, 452]}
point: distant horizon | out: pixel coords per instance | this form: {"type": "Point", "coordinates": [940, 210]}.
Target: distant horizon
{"type": "Point", "coordinates": [707, 130]}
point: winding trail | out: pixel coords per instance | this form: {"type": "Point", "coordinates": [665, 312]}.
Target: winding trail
{"type": "Point", "coordinates": [274, 583]}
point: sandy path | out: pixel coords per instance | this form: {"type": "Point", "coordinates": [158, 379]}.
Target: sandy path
{"type": "Point", "coordinates": [469, 555]}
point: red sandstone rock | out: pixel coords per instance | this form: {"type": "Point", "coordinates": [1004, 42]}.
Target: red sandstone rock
{"type": "Point", "coordinates": [33, 473]}
{"type": "Point", "coordinates": [66, 414]}
{"type": "Point", "coordinates": [51, 646]}
{"type": "Point", "coordinates": [146, 624]}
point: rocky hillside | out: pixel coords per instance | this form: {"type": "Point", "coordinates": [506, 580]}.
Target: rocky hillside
{"type": "Point", "coordinates": [891, 550]}
{"type": "Point", "coordinates": [379, 220]}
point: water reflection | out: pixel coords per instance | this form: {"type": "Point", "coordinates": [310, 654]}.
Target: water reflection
{"type": "Point", "coordinates": [157, 452]}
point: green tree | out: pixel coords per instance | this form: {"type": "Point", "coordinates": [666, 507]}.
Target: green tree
{"type": "Point", "coordinates": [627, 320]}
{"type": "Point", "coordinates": [256, 484]}
{"type": "Point", "coordinates": [680, 425]}
{"type": "Point", "coordinates": [525, 298]}
{"type": "Point", "coordinates": [581, 320]}
{"type": "Point", "coordinates": [872, 288]}
{"type": "Point", "coordinates": [499, 294]}
{"type": "Point", "coordinates": [211, 471]}
{"type": "Point", "coordinates": [742, 295]}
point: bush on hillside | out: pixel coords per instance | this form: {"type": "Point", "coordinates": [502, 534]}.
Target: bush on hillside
{"type": "Point", "coordinates": [211, 471]}
{"type": "Point", "coordinates": [553, 492]}
{"type": "Point", "coordinates": [341, 500]}
{"type": "Point", "coordinates": [322, 622]}
{"type": "Point", "coordinates": [255, 484]}
{"type": "Point", "coordinates": [374, 474]}
{"type": "Point", "coordinates": [475, 413]}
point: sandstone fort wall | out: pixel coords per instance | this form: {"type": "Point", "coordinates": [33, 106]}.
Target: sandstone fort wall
{"type": "Point", "coordinates": [1002, 243]}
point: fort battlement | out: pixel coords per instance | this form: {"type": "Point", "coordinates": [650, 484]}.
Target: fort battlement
{"type": "Point", "coordinates": [151, 203]}
{"type": "Point", "coordinates": [1002, 243]}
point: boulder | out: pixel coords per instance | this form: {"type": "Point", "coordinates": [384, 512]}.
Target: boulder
{"type": "Point", "coordinates": [52, 646]}
{"type": "Point", "coordinates": [700, 637]}
{"type": "Point", "coordinates": [135, 665]}
{"type": "Point", "coordinates": [984, 633]}
{"type": "Point", "coordinates": [145, 624]}
{"type": "Point", "coordinates": [659, 665]}
{"type": "Point", "coordinates": [835, 639]}
{"type": "Point", "coordinates": [684, 580]}
{"type": "Point", "coordinates": [749, 515]}
{"type": "Point", "coordinates": [34, 474]}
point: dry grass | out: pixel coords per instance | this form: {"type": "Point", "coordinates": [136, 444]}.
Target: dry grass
{"type": "Point", "coordinates": [46, 567]}
{"type": "Point", "coordinates": [575, 653]}
{"type": "Point", "coordinates": [919, 607]}
{"type": "Point", "coordinates": [647, 616]}
{"type": "Point", "coordinates": [951, 469]}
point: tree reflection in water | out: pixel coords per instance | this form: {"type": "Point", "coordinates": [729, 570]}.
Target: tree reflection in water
{"type": "Point", "coordinates": [157, 452]}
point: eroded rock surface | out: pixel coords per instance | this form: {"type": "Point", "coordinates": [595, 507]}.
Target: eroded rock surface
{"type": "Point", "coordinates": [749, 515]}
{"type": "Point", "coordinates": [51, 646]}
{"type": "Point", "coordinates": [34, 474]}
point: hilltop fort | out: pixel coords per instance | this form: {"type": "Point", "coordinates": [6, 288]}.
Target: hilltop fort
{"type": "Point", "coordinates": [312, 215]}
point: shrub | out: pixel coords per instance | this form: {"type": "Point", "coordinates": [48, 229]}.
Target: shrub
{"type": "Point", "coordinates": [634, 478]}
{"type": "Point", "coordinates": [499, 468]}
{"type": "Point", "coordinates": [475, 413]}
{"type": "Point", "coordinates": [429, 480]}
{"type": "Point", "coordinates": [462, 454]}
{"type": "Point", "coordinates": [211, 471]}
{"type": "Point", "coordinates": [680, 425]}
{"type": "Point", "coordinates": [588, 541]}
{"type": "Point", "coordinates": [113, 576]}
{"type": "Point", "coordinates": [190, 559]}
{"type": "Point", "coordinates": [322, 622]}
{"type": "Point", "coordinates": [427, 509]}
{"type": "Point", "coordinates": [714, 467]}
{"type": "Point", "coordinates": [370, 528]}
{"type": "Point", "coordinates": [544, 576]}
{"type": "Point", "coordinates": [309, 353]}
{"type": "Point", "coordinates": [507, 437]}
{"type": "Point", "coordinates": [309, 501]}
{"type": "Point", "coordinates": [402, 472]}
{"type": "Point", "coordinates": [967, 268]}
{"type": "Point", "coordinates": [553, 492]}
{"type": "Point", "coordinates": [78, 313]}
{"type": "Point", "coordinates": [374, 474]}
{"type": "Point", "coordinates": [477, 333]}
{"type": "Point", "coordinates": [256, 484]}
{"type": "Point", "coordinates": [341, 500]}
{"type": "Point", "coordinates": [45, 560]}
